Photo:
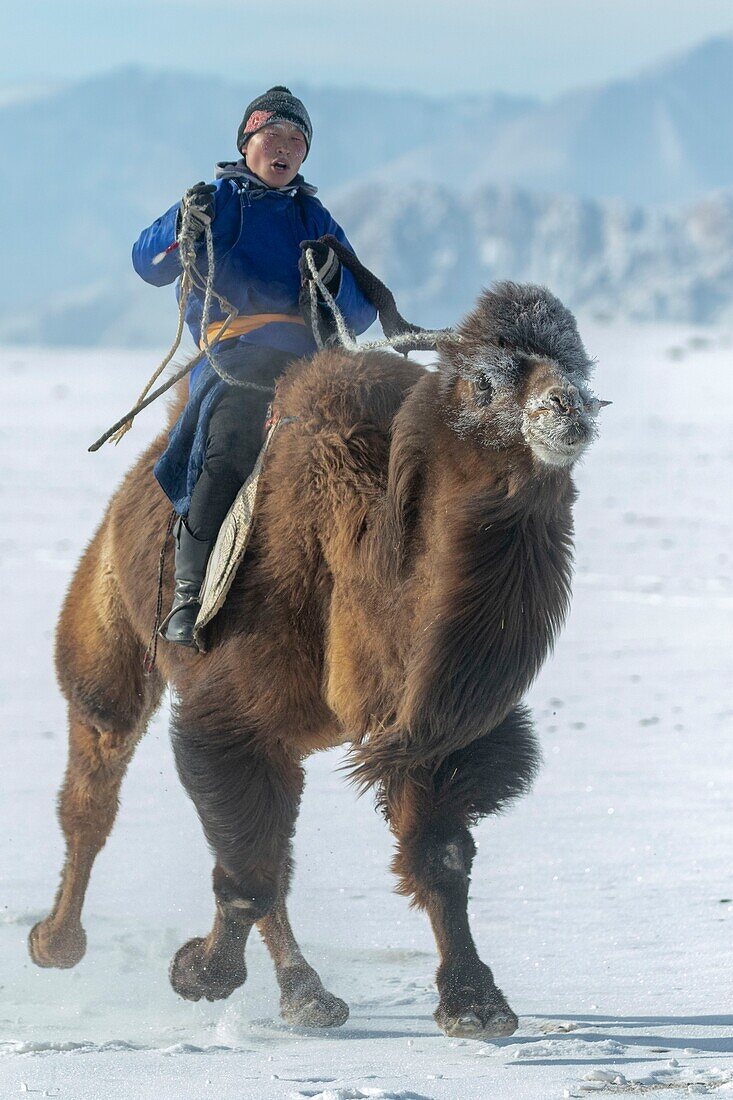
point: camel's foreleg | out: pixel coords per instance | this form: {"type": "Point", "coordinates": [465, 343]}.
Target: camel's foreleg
{"type": "Point", "coordinates": [430, 815]}
{"type": "Point", "coordinates": [304, 1001]}
{"type": "Point", "coordinates": [434, 856]}
{"type": "Point", "coordinates": [247, 799]}
{"type": "Point", "coordinates": [247, 802]}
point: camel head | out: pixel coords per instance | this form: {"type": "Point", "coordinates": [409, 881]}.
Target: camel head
{"type": "Point", "coordinates": [517, 374]}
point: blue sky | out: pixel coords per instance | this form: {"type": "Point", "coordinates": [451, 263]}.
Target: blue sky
{"type": "Point", "coordinates": [519, 46]}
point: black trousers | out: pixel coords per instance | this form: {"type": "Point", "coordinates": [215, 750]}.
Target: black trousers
{"type": "Point", "coordinates": [234, 439]}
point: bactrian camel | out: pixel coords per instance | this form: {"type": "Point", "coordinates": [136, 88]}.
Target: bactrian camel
{"type": "Point", "coordinates": [408, 572]}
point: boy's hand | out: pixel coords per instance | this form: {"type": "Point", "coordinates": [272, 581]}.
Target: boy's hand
{"type": "Point", "coordinates": [327, 265]}
{"type": "Point", "coordinates": [200, 200]}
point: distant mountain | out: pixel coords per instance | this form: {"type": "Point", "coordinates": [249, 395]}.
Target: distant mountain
{"type": "Point", "coordinates": [436, 250]}
{"type": "Point", "coordinates": [27, 91]}
{"type": "Point", "coordinates": [604, 194]}
{"type": "Point", "coordinates": [664, 136]}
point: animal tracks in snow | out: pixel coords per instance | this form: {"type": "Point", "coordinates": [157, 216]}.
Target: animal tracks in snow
{"type": "Point", "coordinates": [66, 1047]}
{"type": "Point", "coordinates": [681, 1079]}
{"type": "Point", "coordinates": [562, 1049]}
{"type": "Point", "coordinates": [399, 991]}
{"type": "Point", "coordinates": [359, 1094]}
{"type": "Point", "coordinates": [614, 1065]}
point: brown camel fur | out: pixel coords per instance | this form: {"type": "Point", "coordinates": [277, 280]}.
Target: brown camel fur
{"type": "Point", "coordinates": [407, 576]}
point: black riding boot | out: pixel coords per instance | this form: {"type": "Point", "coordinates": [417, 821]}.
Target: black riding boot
{"type": "Point", "coordinates": [192, 555]}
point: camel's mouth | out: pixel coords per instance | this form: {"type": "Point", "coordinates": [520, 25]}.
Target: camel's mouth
{"type": "Point", "coordinates": [558, 440]}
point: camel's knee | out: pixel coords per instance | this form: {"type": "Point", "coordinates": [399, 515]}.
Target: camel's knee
{"type": "Point", "coordinates": [443, 853]}
{"type": "Point", "coordinates": [434, 860]}
{"type": "Point", "coordinates": [452, 859]}
{"type": "Point", "coordinates": [248, 890]}
{"type": "Point", "coordinates": [106, 686]}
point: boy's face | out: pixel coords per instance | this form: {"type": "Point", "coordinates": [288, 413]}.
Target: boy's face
{"type": "Point", "coordinates": [275, 153]}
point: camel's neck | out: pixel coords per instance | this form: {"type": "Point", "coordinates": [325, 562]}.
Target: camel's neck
{"type": "Point", "coordinates": [442, 487]}
{"type": "Point", "coordinates": [501, 578]}
{"type": "Point", "coordinates": [488, 553]}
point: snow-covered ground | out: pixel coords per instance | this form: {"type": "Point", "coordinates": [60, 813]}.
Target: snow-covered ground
{"type": "Point", "coordinates": [602, 901]}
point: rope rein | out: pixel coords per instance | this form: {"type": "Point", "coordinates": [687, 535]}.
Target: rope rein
{"type": "Point", "coordinates": [185, 246]}
{"type": "Point", "coordinates": [208, 287]}
{"type": "Point", "coordinates": [317, 284]}
{"type": "Point", "coordinates": [151, 652]}
{"type": "Point", "coordinates": [190, 277]}
{"type": "Point", "coordinates": [399, 333]}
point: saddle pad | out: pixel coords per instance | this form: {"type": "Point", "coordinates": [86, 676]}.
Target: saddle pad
{"type": "Point", "coordinates": [231, 544]}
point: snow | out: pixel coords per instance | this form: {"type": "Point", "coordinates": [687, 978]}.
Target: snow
{"type": "Point", "coordinates": [602, 901]}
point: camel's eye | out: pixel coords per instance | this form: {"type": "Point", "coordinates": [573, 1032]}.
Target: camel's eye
{"type": "Point", "coordinates": [483, 387]}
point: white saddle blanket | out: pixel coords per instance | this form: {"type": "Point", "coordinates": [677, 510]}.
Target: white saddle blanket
{"type": "Point", "coordinates": [231, 544]}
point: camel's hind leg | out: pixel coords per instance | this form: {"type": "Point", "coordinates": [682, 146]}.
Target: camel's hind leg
{"type": "Point", "coordinates": [99, 663]}
{"type": "Point", "coordinates": [430, 815]}
{"type": "Point", "coordinates": [87, 808]}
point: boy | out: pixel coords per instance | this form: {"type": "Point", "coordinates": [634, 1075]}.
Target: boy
{"type": "Point", "coordinates": [260, 208]}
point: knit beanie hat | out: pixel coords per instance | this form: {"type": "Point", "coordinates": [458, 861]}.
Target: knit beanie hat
{"type": "Point", "coordinates": [278, 104]}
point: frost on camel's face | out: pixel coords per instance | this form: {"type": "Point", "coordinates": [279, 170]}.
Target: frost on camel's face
{"type": "Point", "coordinates": [518, 376]}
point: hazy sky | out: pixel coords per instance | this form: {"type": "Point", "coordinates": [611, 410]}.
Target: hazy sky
{"type": "Point", "coordinates": [537, 47]}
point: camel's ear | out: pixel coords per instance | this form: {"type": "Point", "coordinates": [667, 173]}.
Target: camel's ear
{"type": "Point", "coordinates": [404, 487]}
{"type": "Point", "coordinates": [451, 344]}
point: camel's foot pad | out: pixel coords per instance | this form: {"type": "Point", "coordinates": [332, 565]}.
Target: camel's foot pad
{"type": "Point", "coordinates": [61, 946]}
{"type": "Point", "coordinates": [489, 1019]}
{"type": "Point", "coordinates": [306, 1003]}
{"type": "Point", "coordinates": [196, 972]}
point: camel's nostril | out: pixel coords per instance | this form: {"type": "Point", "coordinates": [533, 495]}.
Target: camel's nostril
{"type": "Point", "coordinates": [564, 400]}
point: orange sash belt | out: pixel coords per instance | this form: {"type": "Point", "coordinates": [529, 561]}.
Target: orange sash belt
{"type": "Point", "coordinates": [239, 326]}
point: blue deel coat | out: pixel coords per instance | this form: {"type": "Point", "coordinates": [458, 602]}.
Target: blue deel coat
{"type": "Point", "coordinates": [256, 233]}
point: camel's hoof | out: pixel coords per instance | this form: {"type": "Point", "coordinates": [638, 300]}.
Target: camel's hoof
{"type": "Point", "coordinates": [319, 1010]}
{"type": "Point", "coordinates": [61, 947]}
{"type": "Point", "coordinates": [305, 1003]}
{"type": "Point", "coordinates": [194, 976]}
{"type": "Point", "coordinates": [477, 1021]}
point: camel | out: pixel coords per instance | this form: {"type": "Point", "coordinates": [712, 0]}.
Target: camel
{"type": "Point", "coordinates": [407, 576]}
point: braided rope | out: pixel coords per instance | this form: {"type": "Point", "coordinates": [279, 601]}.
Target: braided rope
{"type": "Point", "coordinates": [187, 255]}
{"type": "Point", "coordinates": [427, 338]}
{"type": "Point", "coordinates": [209, 292]}
{"type": "Point", "coordinates": [151, 653]}
{"type": "Point", "coordinates": [207, 285]}
{"type": "Point", "coordinates": [185, 289]}
{"type": "Point", "coordinates": [191, 277]}
{"type": "Point", "coordinates": [317, 284]}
